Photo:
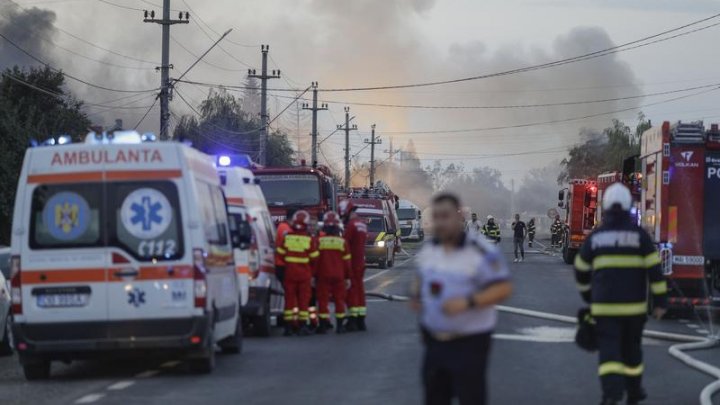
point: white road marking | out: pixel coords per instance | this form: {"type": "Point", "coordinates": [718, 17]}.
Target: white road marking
{"type": "Point", "coordinates": [147, 374]}
{"type": "Point", "coordinates": [170, 364]}
{"type": "Point", "coordinates": [89, 398]}
{"type": "Point", "coordinates": [692, 326]}
{"type": "Point", "coordinates": [702, 331]}
{"type": "Point", "coordinates": [526, 338]}
{"type": "Point", "coordinates": [378, 274]}
{"type": "Point", "coordinates": [121, 385]}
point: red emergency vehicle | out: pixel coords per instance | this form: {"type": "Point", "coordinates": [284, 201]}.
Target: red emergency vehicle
{"type": "Point", "coordinates": [679, 208]}
{"type": "Point", "coordinates": [302, 187]}
{"type": "Point", "coordinates": [579, 199]}
{"type": "Point", "coordinates": [378, 206]}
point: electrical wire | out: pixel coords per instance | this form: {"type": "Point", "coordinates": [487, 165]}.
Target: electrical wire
{"type": "Point", "coordinates": [211, 64]}
{"type": "Point", "coordinates": [209, 27]}
{"type": "Point", "coordinates": [147, 112]}
{"type": "Point", "coordinates": [69, 75]}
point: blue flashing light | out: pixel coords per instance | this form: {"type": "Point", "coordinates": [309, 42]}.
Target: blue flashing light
{"type": "Point", "coordinates": [224, 161]}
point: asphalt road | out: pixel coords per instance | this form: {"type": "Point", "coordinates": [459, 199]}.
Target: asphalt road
{"type": "Point", "coordinates": [533, 360]}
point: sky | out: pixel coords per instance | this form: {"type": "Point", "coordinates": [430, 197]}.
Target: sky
{"type": "Point", "coordinates": [364, 43]}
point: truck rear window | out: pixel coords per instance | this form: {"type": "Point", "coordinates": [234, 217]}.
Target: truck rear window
{"type": "Point", "coordinates": [141, 218]}
{"type": "Point", "coordinates": [405, 214]}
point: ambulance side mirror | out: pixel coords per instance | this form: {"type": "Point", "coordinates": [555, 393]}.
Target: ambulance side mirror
{"type": "Point", "coordinates": [240, 233]}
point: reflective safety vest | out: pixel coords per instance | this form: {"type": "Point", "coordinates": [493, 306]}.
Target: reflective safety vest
{"type": "Point", "coordinates": [556, 227]}
{"type": "Point", "coordinates": [614, 267]}
{"type": "Point", "coordinates": [492, 231]}
{"type": "Point", "coordinates": [298, 252]}
{"type": "Point", "coordinates": [531, 228]}
{"type": "Point", "coordinates": [334, 259]}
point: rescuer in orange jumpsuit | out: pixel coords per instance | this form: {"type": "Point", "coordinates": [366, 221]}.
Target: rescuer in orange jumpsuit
{"type": "Point", "coordinates": [283, 229]}
{"type": "Point", "coordinates": [299, 253]}
{"type": "Point", "coordinates": [333, 273]}
{"type": "Point", "coordinates": [355, 235]}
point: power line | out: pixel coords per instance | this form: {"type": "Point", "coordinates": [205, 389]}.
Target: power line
{"type": "Point", "coordinates": [531, 124]}
{"type": "Point", "coordinates": [191, 53]}
{"type": "Point", "coordinates": [209, 27]}
{"type": "Point", "coordinates": [639, 43]}
{"type": "Point", "coordinates": [518, 106]}
{"type": "Point", "coordinates": [591, 55]}
{"type": "Point", "coordinates": [67, 74]}
{"type": "Point", "coordinates": [147, 112]}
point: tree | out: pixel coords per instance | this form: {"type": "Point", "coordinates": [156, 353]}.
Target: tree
{"type": "Point", "coordinates": [604, 151]}
{"type": "Point", "coordinates": [27, 114]}
{"type": "Point", "coordinates": [225, 127]}
{"type": "Point", "coordinates": [538, 191]}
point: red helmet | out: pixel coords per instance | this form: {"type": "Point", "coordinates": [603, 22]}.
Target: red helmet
{"type": "Point", "coordinates": [301, 220]}
{"type": "Point", "coordinates": [331, 218]}
{"type": "Point", "coordinates": [346, 207]}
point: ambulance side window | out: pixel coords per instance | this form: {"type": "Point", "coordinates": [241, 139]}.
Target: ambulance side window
{"type": "Point", "coordinates": [214, 215]}
{"type": "Point", "coordinates": [66, 215]}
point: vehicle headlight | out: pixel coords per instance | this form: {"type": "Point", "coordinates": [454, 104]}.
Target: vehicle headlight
{"type": "Point", "coordinates": [380, 243]}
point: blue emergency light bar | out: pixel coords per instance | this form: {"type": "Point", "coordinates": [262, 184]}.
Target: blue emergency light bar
{"type": "Point", "coordinates": [235, 160]}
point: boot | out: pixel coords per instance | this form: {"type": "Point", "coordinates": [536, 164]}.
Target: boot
{"type": "Point", "coordinates": [340, 328]}
{"type": "Point", "coordinates": [609, 402]}
{"type": "Point", "coordinates": [635, 398]}
{"type": "Point", "coordinates": [361, 324]}
{"type": "Point", "coordinates": [351, 324]}
{"type": "Point", "coordinates": [323, 327]}
{"type": "Point", "coordinates": [304, 330]}
{"type": "Point", "coordinates": [288, 329]}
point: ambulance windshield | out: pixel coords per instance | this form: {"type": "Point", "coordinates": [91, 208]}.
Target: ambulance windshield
{"type": "Point", "coordinates": [290, 189]}
{"type": "Point", "coordinates": [375, 224]}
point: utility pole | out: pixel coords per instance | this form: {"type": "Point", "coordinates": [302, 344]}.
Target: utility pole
{"type": "Point", "coordinates": [314, 109]}
{"type": "Point", "coordinates": [391, 157]}
{"type": "Point", "coordinates": [264, 118]}
{"type": "Point", "coordinates": [165, 85]}
{"type": "Point", "coordinates": [372, 141]}
{"type": "Point", "coordinates": [347, 128]}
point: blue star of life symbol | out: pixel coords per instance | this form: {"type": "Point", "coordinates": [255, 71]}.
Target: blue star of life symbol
{"type": "Point", "coordinates": [146, 213]}
{"type": "Point", "coordinates": [136, 297]}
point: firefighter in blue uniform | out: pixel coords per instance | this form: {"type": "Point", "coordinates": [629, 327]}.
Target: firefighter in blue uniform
{"type": "Point", "coordinates": [612, 270]}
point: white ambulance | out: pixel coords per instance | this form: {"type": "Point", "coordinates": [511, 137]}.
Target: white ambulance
{"type": "Point", "coordinates": [255, 255]}
{"type": "Point", "coordinates": [121, 245]}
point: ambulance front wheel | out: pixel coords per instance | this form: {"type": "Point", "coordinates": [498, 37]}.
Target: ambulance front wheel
{"type": "Point", "coordinates": [36, 369]}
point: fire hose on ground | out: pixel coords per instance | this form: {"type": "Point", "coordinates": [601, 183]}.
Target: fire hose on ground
{"type": "Point", "coordinates": [685, 342]}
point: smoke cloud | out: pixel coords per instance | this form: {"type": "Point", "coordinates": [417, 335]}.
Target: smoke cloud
{"type": "Point", "coordinates": [29, 29]}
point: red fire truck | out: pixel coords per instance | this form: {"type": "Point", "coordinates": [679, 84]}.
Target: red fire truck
{"type": "Point", "coordinates": [579, 199]}
{"type": "Point", "coordinates": [301, 187]}
{"type": "Point", "coordinates": [679, 208]}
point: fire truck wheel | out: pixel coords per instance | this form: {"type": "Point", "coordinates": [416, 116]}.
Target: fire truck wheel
{"type": "Point", "coordinates": [569, 255]}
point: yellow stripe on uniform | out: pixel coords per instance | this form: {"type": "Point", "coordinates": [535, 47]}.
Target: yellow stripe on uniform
{"type": "Point", "coordinates": [622, 261]}
{"type": "Point", "coordinates": [292, 259]}
{"type": "Point", "coordinates": [281, 250]}
{"type": "Point", "coordinates": [583, 287]}
{"type": "Point", "coordinates": [347, 257]}
{"type": "Point", "coordinates": [659, 287]}
{"type": "Point", "coordinates": [297, 243]}
{"type": "Point", "coordinates": [314, 254]}
{"type": "Point", "coordinates": [380, 236]}
{"type": "Point", "coordinates": [618, 309]}
{"type": "Point", "coordinates": [581, 265]}
{"type": "Point", "coordinates": [653, 259]}
{"type": "Point", "coordinates": [634, 371]}
{"type": "Point", "coordinates": [611, 367]}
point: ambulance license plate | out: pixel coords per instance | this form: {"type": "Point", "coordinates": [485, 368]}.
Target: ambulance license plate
{"type": "Point", "coordinates": [62, 300]}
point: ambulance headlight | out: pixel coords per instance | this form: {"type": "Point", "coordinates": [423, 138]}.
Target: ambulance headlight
{"type": "Point", "coordinates": [64, 139]}
{"type": "Point", "coordinates": [380, 243]}
{"type": "Point", "coordinates": [224, 161]}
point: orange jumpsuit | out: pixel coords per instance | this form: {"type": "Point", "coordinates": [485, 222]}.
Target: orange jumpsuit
{"type": "Point", "coordinates": [299, 253]}
{"type": "Point", "coordinates": [333, 269]}
{"type": "Point", "coordinates": [356, 236]}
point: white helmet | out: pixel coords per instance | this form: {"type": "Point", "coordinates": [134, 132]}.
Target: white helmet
{"type": "Point", "coordinates": [489, 217]}
{"type": "Point", "coordinates": [618, 194]}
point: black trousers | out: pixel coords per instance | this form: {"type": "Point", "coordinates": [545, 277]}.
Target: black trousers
{"type": "Point", "coordinates": [456, 369]}
{"type": "Point", "coordinates": [620, 353]}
